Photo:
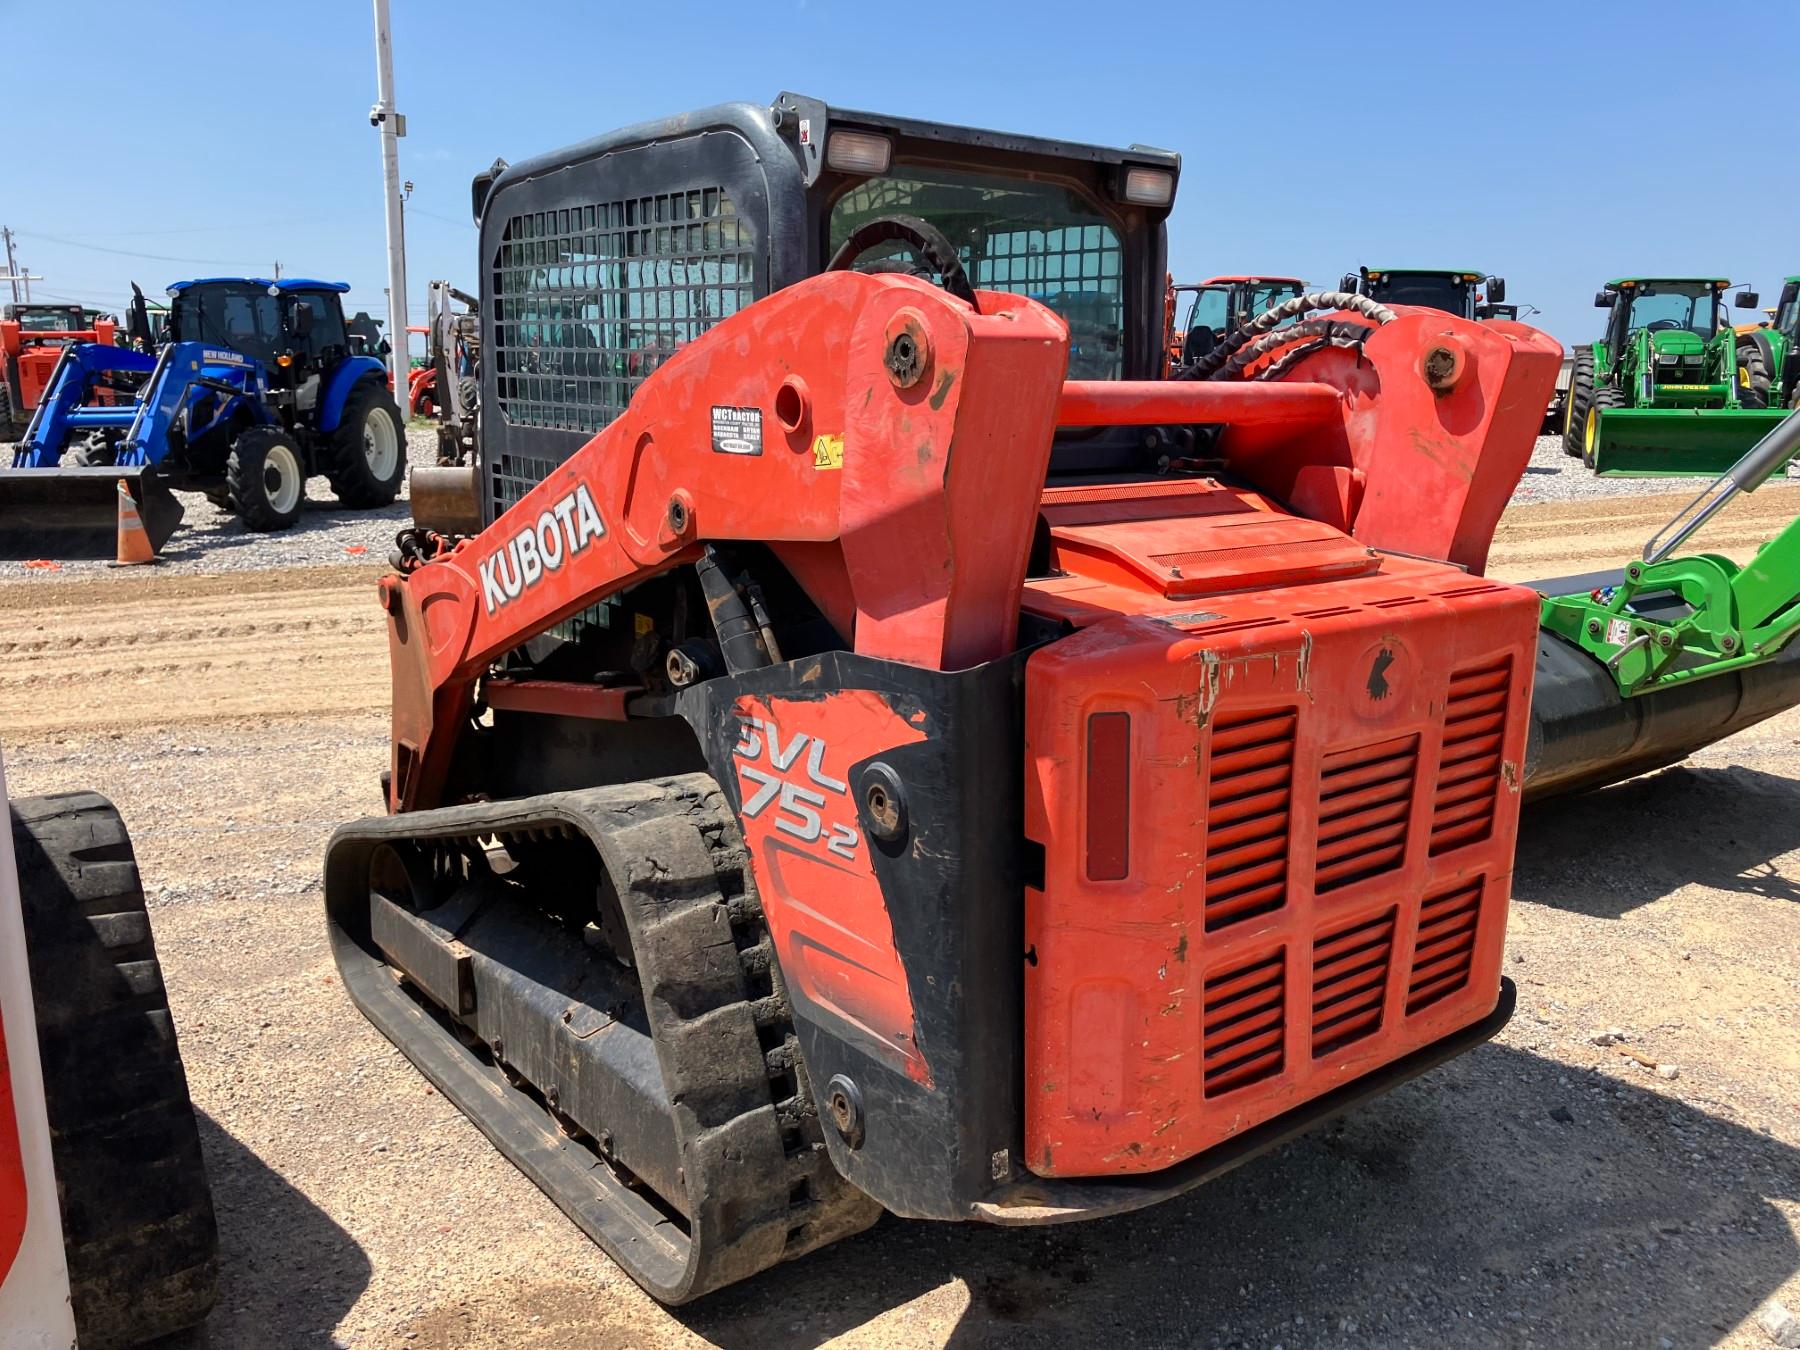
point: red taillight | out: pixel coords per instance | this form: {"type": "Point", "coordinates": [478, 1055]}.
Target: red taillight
{"type": "Point", "coordinates": [1108, 796]}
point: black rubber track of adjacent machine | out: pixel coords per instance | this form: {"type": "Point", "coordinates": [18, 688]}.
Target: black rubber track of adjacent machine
{"type": "Point", "coordinates": [136, 1210]}
{"type": "Point", "coordinates": [757, 1186]}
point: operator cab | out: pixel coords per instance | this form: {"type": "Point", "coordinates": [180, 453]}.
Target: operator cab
{"type": "Point", "coordinates": [1222, 304]}
{"type": "Point", "coordinates": [35, 319]}
{"type": "Point", "coordinates": [1662, 305]}
{"type": "Point", "coordinates": [293, 329]}
{"type": "Point", "coordinates": [1454, 292]}
{"type": "Point", "coordinates": [602, 260]}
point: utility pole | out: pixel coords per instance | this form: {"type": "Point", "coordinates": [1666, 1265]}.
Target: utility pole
{"type": "Point", "coordinates": [12, 263]}
{"type": "Point", "coordinates": [392, 127]}
{"type": "Point", "coordinates": [278, 270]}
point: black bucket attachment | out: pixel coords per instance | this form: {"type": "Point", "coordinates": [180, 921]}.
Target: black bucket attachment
{"type": "Point", "coordinates": [1585, 733]}
{"type": "Point", "coordinates": [73, 513]}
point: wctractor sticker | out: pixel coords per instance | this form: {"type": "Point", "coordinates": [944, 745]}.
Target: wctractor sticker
{"type": "Point", "coordinates": [570, 525]}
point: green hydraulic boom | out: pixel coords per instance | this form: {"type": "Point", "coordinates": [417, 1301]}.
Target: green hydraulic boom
{"type": "Point", "coordinates": [1672, 620]}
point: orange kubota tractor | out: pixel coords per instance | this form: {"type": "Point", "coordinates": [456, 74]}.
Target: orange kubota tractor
{"type": "Point", "coordinates": [859, 766]}
{"type": "Point", "coordinates": [31, 341]}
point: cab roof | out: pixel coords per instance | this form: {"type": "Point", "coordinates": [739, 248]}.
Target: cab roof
{"type": "Point", "coordinates": [1697, 281]}
{"type": "Point", "coordinates": [283, 284]}
{"type": "Point", "coordinates": [756, 123]}
{"type": "Point", "coordinates": [1222, 281]}
{"type": "Point", "coordinates": [1426, 271]}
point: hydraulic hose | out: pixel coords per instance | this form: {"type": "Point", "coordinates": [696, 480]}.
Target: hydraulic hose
{"type": "Point", "coordinates": [1211, 366]}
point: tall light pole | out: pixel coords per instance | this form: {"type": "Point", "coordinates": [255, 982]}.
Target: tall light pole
{"type": "Point", "coordinates": [392, 127]}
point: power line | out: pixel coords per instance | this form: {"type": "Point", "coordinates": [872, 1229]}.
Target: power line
{"type": "Point", "coordinates": [128, 253]}
{"type": "Point", "coordinates": [413, 210]}
{"type": "Point", "coordinates": [192, 229]}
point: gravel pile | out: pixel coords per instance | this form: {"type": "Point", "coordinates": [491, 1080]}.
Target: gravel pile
{"type": "Point", "coordinates": [211, 540]}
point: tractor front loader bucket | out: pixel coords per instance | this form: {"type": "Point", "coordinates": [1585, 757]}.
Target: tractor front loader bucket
{"type": "Point", "coordinates": [1586, 733]}
{"type": "Point", "coordinates": [73, 513]}
{"type": "Point", "coordinates": [1675, 442]}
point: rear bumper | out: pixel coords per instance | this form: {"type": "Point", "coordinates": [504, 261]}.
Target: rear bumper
{"type": "Point", "coordinates": [1041, 1201]}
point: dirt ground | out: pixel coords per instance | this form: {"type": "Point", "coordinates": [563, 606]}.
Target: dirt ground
{"type": "Point", "coordinates": [1543, 1190]}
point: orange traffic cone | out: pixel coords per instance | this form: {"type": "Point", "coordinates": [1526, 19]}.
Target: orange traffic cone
{"type": "Point", "coordinates": [134, 539]}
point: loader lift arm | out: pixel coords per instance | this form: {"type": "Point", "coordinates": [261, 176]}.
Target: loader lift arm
{"type": "Point", "coordinates": [1673, 620]}
{"type": "Point", "coordinates": [890, 444]}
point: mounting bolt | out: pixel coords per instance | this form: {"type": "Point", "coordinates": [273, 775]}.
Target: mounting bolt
{"type": "Point", "coordinates": [884, 803]}
{"type": "Point", "coordinates": [1442, 365]}
{"type": "Point", "coordinates": [1667, 640]}
{"type": "Point", "coordinates": [844, 1105]}
{"type": "Point", "coordinates": [1593, 627]}
{"type": "Point", "coordinates": [1727, 644]}
{"type": "Point", "coordinates": [678, 516]}
{"type": "Point", "coordinates": [908, 350]}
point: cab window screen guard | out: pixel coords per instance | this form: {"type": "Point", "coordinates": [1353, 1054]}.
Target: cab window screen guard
{"type": "Point", "coordinates": [1039, 239]}
{"type": "Point", "coordinates": [590, 299]}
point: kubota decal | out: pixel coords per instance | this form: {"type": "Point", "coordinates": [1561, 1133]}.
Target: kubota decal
{"type": "Point", "coordinates": [558, 534]}
{"type": "Point", "coordinates": [821, 898]}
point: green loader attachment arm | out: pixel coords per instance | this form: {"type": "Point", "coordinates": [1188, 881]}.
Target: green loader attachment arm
{"type": "Point", "coordinates": [1672, 620]}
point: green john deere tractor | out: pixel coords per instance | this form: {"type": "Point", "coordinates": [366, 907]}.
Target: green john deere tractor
{"type": "Point", "coordinates": [1769, 354]}
{"type": "Point", "coordinates": [1662, 393]}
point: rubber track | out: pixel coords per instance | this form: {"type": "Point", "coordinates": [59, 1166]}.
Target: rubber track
{"type": "Point", "coordinates": [137, 1213]}
{"type": "Point", "coordinates": [760, 1187]}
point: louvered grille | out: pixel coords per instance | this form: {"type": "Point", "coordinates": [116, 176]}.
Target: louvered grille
{"type": "Point", "coordinates": [1248, 802]}
{"type": "Point", "coordinates": [1445, 949]}
{"type": "Point", "coordinates": [1468, 780]}
{"type": "Point", "coordinates": [1365, 801]}
{"type": "Point", "coordinates": [1244, 1025]}
{"type": "Point", "coordinates": [1350, 975]}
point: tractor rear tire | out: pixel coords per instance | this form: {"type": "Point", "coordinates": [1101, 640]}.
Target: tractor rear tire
{"type": "Point", "coordinates": [1755, 383]}
{"type": "Point", "coordinates": [368, 450]}
{"type": "Point", "coordinates": [1603, 398]}
{"type": "Point", "coordinates": [137, 1213]}
{"type": "Point", "coordinates": [1575, 403]}
{"type": "Point", "coordinates": [266, 477]}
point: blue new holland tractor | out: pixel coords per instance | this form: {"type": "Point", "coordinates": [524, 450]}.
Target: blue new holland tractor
{"type": "Point", "coordinates": [257, 386]}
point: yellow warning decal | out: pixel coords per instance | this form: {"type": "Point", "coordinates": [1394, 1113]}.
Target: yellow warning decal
{"type": "Point", "coordinates": [642, 624]}
{"type": "Point", "coordinates": [828, 452]}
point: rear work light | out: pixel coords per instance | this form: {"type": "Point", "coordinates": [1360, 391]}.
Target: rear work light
{"type": "Point", "coordinates": [1149, 187]}
{"type": "Point", "coordinates": [858, 152]}
{"type": "Point", "coordinates": [1108, 796]}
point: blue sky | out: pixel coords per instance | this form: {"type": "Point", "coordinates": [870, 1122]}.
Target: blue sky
{"type": "Point", "coordinates": [1556, 144]}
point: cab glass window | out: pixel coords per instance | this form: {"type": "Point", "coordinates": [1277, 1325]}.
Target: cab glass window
{"type": "Point", "coordinates": [1044, 240]}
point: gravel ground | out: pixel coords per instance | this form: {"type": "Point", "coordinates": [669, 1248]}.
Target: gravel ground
{"type": "Point", "coordinates": [1554, 476]}
{"type": "Point", "coordinates": [214, 541]}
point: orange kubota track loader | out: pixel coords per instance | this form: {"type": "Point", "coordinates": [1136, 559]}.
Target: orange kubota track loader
{"type": "Point", "coordinates": [891, 761]}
